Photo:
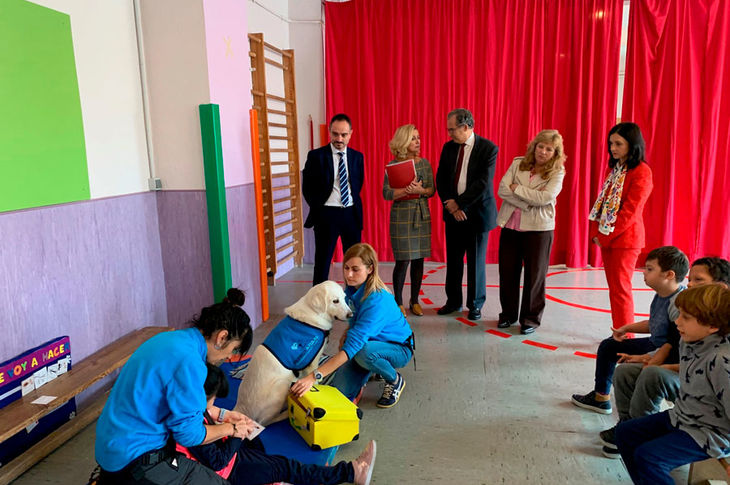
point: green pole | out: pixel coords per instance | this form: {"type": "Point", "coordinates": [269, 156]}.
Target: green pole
{"type": "Point", "coordinates": [215, 196]}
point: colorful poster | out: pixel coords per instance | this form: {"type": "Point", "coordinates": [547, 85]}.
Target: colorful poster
{"type": "Point", "coordinates": [25, 373]}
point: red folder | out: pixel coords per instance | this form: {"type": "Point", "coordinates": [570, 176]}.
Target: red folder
{"type": "Point", "coordinates": [400, 176]}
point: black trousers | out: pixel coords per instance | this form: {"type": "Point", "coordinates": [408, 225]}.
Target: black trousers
{"type": "Point", "coordinates": [255, 467]}
{"type": "Point", "coordinates": [338, 223]}
{"type": "Point", "coordinates": [531, 249]}
{"type": "Point", "coordinates": [461, 239]}
{"type": "Point", "coordinates": [176, 469]}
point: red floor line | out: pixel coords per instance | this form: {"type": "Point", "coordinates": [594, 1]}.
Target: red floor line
{"type": "Point", "coordinates": [466, 322]}
{"type": "Point", "coordinates": [488, 286]}
{"type": "Point", "coordinates": [584, 307]}
{"type": "Point", "coordinates": [427, 301]}
{"type": "Point", "coordinates": [441, 267]}
{"type": "Point", "coordinates": [588, 288]}
{"type": "Point", "coordinates": [584, 354]}
{"type": "Point", "coordinates": [498, 333]}
{"type": "Point", "coordinates": [578, 270]}
{"type": "Point", "coordinates": [539, 344]}
{"type": "Point", "coordinates": [433, 271]}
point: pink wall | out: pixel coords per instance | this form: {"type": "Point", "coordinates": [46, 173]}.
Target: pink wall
{"type": "Point", "coordinates": [226, 33]}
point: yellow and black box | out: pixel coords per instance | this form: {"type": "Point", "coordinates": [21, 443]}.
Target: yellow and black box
{"type": "Point", "coordinates": [324, 417]}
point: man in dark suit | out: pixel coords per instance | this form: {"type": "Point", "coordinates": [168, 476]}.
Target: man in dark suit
{"type": "Point", "coordinates": [331, 182]}
{"type": "Point", "coordinates": [464, 183]}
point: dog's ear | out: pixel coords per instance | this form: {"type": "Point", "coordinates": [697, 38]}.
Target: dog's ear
{"type": "Point", "coordinates": [318, 302]}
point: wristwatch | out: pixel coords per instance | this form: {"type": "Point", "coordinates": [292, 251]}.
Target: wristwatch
{"type": "Point", "coordinates": [318, 376]}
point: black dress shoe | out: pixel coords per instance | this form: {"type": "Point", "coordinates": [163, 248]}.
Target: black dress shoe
{"type": "Point", "coordinates": [474, 314]}
{"type": "Point", "coordinates": [505, 324]}
{"type": "Point", "coordinates": [446, 309]}
{"type": "Point", "coordinates": [527, 330]}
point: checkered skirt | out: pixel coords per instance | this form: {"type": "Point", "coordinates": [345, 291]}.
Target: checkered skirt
{"type": "Point", "coordinates": [410, 220]}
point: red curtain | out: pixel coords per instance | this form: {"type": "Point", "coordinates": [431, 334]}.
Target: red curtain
{"type": "Point", "coordinates": [519, 66]}
{"type": "Point", "coordinates": [677, 85]}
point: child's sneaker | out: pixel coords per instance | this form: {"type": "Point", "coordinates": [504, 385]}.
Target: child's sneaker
{"type": "Point", "coordinates": [611, 453]}
{"type": "Point", "coordinates": [391, 392]}
{"type": "Point", "coordinates": [364, 464]}
{"type": "Point", "coordinates": [608, 438]}
{"type": "Point", "coordinates": [589, 401]}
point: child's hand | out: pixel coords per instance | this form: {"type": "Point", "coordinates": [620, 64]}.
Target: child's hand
{"type": "Point", "coordinates": [596, 242]}
{"type": "Point", "coordinates": [342, 339]}
{"type": "Point", "coordinates": [243, 429]}
{"type": "Point", "coordinates": [618, 334]}
{"type": "Point", "coordinates": [632, 359]}
{"type": "Point", "coordinates": [235, 417]}
{"type": "Point", "coordinates": [302, 385]}
{"type": "Point", "coordinates": [653, 360]}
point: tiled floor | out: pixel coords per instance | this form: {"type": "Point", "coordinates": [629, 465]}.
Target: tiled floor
{"type": "Point", "coordinates": [482, 407]}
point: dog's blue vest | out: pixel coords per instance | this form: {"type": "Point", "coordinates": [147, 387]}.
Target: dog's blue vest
{"type": "Point", "coordinates": [295, 344]}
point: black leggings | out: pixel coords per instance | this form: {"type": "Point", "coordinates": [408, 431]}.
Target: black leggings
{"type": "Point", "coordinates": [399, 279]}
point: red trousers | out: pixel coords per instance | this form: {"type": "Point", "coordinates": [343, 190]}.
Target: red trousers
{"type": "Point", "coordinates": [619, 264]}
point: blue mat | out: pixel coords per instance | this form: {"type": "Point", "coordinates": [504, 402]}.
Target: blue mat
{"type": "Point", "coordinates": [278, 438]}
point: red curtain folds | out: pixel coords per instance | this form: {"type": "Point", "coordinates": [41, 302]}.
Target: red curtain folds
{"type": "Point", "coordinates": [519, 66]}
{"type": "Point", "coordinates": [677, 85]}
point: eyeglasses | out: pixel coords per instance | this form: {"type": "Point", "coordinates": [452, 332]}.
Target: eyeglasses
{"type": "Point", "coordinates": [451, 130]}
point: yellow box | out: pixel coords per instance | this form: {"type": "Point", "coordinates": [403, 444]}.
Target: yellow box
{"type": "Point", "coordinates": [324, 417]}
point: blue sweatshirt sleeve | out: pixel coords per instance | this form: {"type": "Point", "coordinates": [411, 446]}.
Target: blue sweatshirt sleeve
{"type": "Point", "coordinates": [186, 401]}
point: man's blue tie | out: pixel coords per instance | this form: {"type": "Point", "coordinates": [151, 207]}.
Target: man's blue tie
{"type": "Point", "coordinates": [344, 191]}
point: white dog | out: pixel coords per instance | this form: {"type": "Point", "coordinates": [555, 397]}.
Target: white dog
{"type": "Point", "coordinates": [292, 350]}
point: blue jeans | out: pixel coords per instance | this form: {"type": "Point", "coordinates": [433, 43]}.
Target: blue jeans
{"type": "Point", "coordinates": [375, 357]}
{"type": "Point", "coordinates": [651, 447]}
{"type": "Point", "coordinates": [606, 358]}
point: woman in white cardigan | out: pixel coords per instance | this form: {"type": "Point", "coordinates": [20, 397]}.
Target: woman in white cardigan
{"type": "Point", "coordinates": [527, 217]}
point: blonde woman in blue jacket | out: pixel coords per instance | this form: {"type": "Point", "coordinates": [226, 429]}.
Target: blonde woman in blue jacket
{"type": "Point", "coordinates": [527, 218]}
{"type": "Point", "coordinates": [379, 339]}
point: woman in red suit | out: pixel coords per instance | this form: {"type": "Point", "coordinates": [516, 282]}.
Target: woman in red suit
{"type": "Point", "coordinates": [617, 224]}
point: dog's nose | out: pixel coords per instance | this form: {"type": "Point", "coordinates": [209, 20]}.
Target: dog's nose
{"type": "Point", "coordinates": [349, 315]}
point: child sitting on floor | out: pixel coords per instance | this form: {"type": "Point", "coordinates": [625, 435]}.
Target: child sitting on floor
{"type": "Point", "coordinates": [698, 427]}
{"type": "Point", "coordinates": [248, 464]}
{"type": "Point", "coordinates": [665, 268]}
{"type": "Point", "coordinates": [642, 382]}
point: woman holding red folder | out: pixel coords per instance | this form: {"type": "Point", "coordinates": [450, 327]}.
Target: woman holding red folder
{"type": "Point", "coordinates": [410, 217]}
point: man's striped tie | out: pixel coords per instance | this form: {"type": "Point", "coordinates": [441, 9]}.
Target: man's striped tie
{"type": "Point", "coordinates": [344, 191]}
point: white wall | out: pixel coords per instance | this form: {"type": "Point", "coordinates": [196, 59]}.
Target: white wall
{"type": "Point", "coordinates": [174, 40]}
{"type": "Point", "coordinates": [306, 35]}
{"type": "Point", "coordinates": [107, 66]}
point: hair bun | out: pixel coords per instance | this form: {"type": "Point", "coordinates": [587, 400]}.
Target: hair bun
{"type": "Point", "coordinates": [235, 297]}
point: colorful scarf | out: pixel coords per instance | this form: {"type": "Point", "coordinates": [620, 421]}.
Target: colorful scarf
{"type": "Point", "coordinates": [608, 203]}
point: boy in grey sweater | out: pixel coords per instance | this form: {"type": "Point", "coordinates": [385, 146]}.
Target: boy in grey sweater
{"type": "Point", "coordinates": [698, 427]}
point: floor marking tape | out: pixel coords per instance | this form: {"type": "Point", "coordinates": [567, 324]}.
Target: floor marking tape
{"type": "Point", "coordinates": [539, 344]}
{"type": "Point", "coordinates": [466, 322]}
{"type": "Point", "coordinates": [498, 333]}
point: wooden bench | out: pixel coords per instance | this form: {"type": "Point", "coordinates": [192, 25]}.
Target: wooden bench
{"type": "Point", "coordinates": [21, 413]}
{"type": "Point", "coordinates": [710, 471]}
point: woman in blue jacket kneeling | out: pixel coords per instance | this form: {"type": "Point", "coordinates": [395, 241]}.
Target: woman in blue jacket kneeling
{"type": "Point", "coordinates": [378, 340]}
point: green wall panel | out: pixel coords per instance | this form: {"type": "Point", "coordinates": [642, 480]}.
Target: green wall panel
{"type": "Point", "coordinates": [42, 150]}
